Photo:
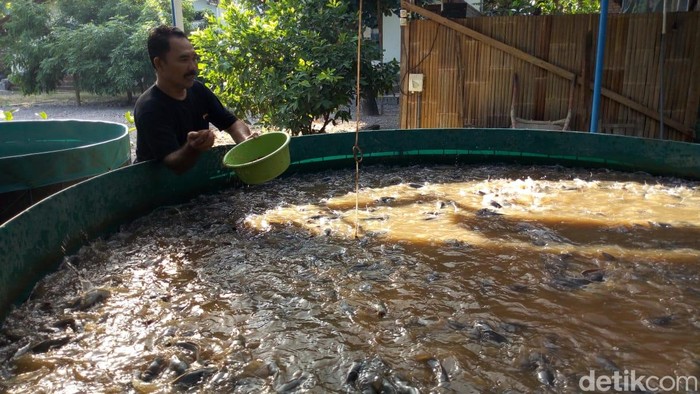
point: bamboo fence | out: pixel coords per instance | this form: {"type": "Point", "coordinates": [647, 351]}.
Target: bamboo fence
{"type": "Point", "coordinates": [468, 67]}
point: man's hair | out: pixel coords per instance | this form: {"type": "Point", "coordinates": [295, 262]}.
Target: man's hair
{"type": "Point", "coordinates": [159, 41]}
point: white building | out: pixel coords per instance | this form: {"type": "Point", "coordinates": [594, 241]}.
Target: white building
{"type": "Point", "coordinates": [203, 6]}
{"type": "Point", "coordinates": [391, 30]}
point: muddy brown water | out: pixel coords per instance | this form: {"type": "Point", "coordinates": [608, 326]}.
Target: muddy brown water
{"type": "Point", "coordinates": [463, 279]}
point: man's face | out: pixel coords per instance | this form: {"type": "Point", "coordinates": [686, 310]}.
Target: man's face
{"type": "Point", "coordinates": [179, 67]}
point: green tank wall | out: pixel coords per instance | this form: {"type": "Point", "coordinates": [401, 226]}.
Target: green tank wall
{"type": "Point", "coordinates": [34, 242]}
{"type": "Point", "coordinates": [38, 158]}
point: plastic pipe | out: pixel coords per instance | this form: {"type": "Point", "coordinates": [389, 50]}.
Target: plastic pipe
{"type": "Point", "coordinates": [600, 52]}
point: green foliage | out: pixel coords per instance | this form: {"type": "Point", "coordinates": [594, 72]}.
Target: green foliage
{"type": "Point", "coordinates": [289, 62]}
{"type": "Point", "coordinates": [378, 77]}
{"type": "Point", "coordinates": [25, 44]}
{"type": "Point", "coordinates": [371, 9]}
{"type": "Point", "coordinates": [101, 43]}
{"type": "Point", "coordinates": [91, 63]}
{"type": "Point", "coordinates": [130, 121]}
{"type": "Point", "coordinates": [8, 115]}
{"type": "Point", "coordinates": [537, 7]}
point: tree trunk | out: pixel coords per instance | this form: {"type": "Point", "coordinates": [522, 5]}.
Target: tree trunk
{"type": "Point", "coordinates": [76, 87]}
{"type": "Point", "coordinates": [369, 104]}
{"type": "Point", "coordinates": [129, 97]}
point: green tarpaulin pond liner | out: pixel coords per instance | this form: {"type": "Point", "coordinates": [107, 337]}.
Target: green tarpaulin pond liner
{"type": "Point", "coordinates": [34, 242]}
{"type": "Point", "coordinates": [38, 158]}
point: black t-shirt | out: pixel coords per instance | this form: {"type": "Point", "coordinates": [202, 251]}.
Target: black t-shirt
{"type": "Point", "coordinates": [162, 122]}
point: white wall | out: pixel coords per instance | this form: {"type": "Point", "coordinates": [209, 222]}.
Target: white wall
{"type": "Point", "coordinates": [200, 5]}
{"type": "Point", "coordinates": [391, 38]}
{"type": "Point", "coordinates": [475, 3]}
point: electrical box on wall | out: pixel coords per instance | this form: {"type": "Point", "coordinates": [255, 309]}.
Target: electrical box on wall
{"type": "Point", "coordinates": [415, 83]}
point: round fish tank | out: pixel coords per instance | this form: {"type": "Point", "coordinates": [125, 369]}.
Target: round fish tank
{"type": "Point", "coordinates": [466, 277]}
{"type": "Point", "coordinates": [39, 158]}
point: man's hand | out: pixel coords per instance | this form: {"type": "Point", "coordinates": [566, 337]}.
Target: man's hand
{"type": "Point", "coordinates": [253, 134]}
{"type": "Point", "coordinates": [201, 140]}
{"type": "Point", "coordinates": [184, 158]}
{"type": "Point", "coordinates": [240, 132]}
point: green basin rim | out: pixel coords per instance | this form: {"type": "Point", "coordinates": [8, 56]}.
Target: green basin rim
{"type": "Point", "coordinates": [34, 154]}
{"type": "Point", "coordinates": [109, 132]}
{"type": "Point", "coordinates": [258, 160]}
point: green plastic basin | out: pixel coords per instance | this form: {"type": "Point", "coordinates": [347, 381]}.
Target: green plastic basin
{"type": "Point", "coordinates": [260, 159]}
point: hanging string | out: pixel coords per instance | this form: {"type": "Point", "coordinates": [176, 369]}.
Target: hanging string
{"type": "Point", "coordinates": [356, 151]}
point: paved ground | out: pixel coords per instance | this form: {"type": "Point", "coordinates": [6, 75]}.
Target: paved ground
{"type": "Point", "coordinates": [111, 112]}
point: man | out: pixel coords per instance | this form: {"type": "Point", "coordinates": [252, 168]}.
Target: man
{"type": "Point", "coordinates": [172, 116]}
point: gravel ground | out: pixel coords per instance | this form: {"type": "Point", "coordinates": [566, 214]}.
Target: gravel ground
{"type": "Point", "coordinates": [114, 112]}
{"type": "Point", "coordinates": [111, 112]}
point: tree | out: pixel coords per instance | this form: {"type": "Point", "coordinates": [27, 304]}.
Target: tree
{"type": "Point", "coordinates": [101, 44]}
{"type": "Point", "coordinates": [4, 17]}
{"type": "Point", "coordinates": [540, 7]}
{"type": "Point", "coordinates": [288, 61]}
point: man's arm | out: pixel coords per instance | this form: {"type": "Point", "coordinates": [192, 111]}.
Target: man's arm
{"type": "Point", "coordinates": [239, 131]}
{"type": "Point", "coordinates": [184, 158]}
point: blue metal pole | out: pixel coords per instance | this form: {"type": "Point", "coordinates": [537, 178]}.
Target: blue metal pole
{"type": "Point", "coordinates": [600, 51]}
{"type": "Point", "coordinates": [172, 7]}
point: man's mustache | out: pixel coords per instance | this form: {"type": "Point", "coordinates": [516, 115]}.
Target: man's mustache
{"type": "Point", "coordinates": [191, 74]}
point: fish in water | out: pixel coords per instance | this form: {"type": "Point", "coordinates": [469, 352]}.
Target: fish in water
{"type": "Point", "coordinates": [404, 388]}
{"type": "Point", "coordinates": [154, 369]}
{"type": "Point", "coordinates": [545, 375]}
{"type": "Point", "coordinates": [568, 283]}
{"type": "Point", "coordinates": [363, 267]}
{"type": "Point", "coordinates": [455, 325]}
{"type": "Point", "coordinates": [178, 366]}
{"type": "Point", "coordinates": [90, 298]}
{"type": "Point", "coordinates": [439, 371]}
{"type": "Point", "coordinates": [512, 327]}
{"type": "Point", "coordinates": [483, 331]}
{"type": "Point", "coordinates": [370, 376]}
{"type": "Point", "coordinates": [292, 384]}
{"type": "Point", "coordinates": [347, 308]}
{"type": "Point", "coordinates": [539, 363]}
{"type": "Point", "coordinates": [606, 363]}
{"type": "Point", "coordinates": [594, 275]}
{"type": "Point", "coordinates": [660, 321]}
{"type": "Point", "coordinates": [485, 212]}
{"type": "Point", "coordinates": [379, 308]}
{"type": "Point", "coordinates": [608, 256]}
{"type": "Point", "coordinates": [191, 346]}
{"type": "Point", "coordinates": [66, 322]}
{"type": "Point", "coordinates": [193, 378]}
{"type": "Point", "coordinates": [518, 287]}
{"type": "Point", "coordinates": [46, 345]}
{"type": "Point", "coordinates": [354, 372]}
{"type": "Point", "coordinates": [541, 235]}
{"type": "Point", "coordinates": [433, 276]}
{"type": "Point", "coordinates": [387, 200]}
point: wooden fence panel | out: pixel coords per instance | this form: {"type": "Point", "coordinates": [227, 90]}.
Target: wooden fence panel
{"type": "Point", "coordinates": [468, 82]}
